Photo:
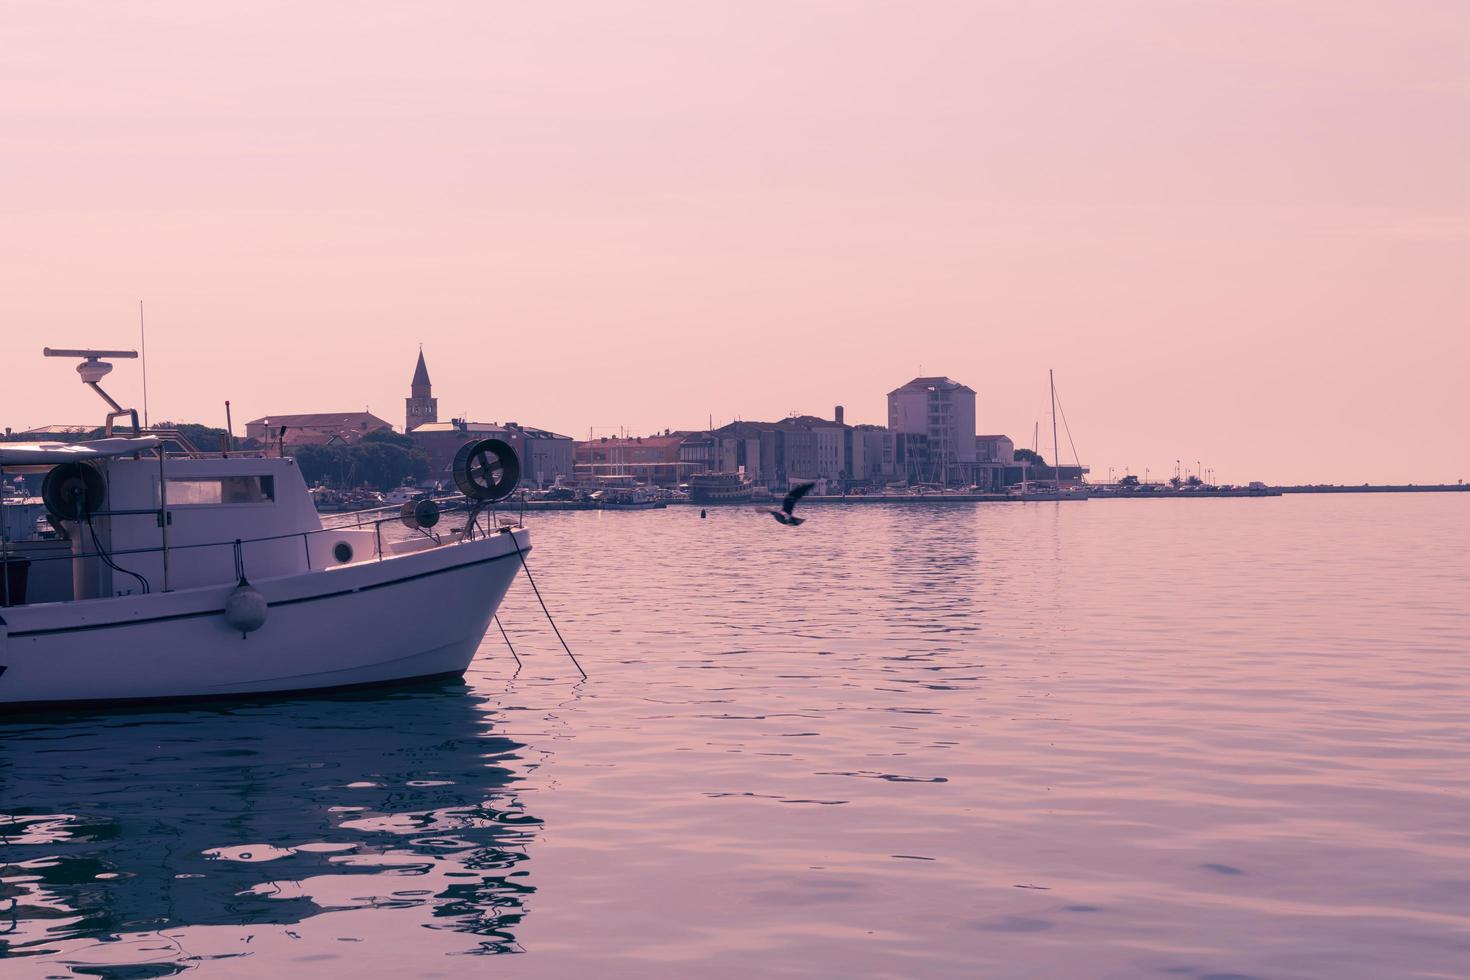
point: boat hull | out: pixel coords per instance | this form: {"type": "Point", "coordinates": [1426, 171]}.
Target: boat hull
{"type": "Point", "coordinates": [375, 622]}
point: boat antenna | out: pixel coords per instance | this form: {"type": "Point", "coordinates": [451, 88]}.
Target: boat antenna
{"type": "Point", "coordinates": [143, 345]}
{"type": "Point", "coordinates": [92, 370]}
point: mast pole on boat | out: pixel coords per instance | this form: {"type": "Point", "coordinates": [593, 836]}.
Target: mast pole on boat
{"type": "Point", "coordinates": [4, 540]}
{"type": "Point", "coordinates": [1056, 455]}
{"type": "Point", "coordinates": [143, 346]}
{"type": "Point", "coordinates": [163, 517]}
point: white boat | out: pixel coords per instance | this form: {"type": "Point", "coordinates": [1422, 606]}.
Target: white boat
{"type": "Point", "coordinates": [198, 576]}
{"type": "Point", "coordinates": [399, 496]}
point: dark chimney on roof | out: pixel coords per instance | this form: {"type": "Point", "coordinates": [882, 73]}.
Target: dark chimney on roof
{"type": "Point", "coordinates": [837, 415]}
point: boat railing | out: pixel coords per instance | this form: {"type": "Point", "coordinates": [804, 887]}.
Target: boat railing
{"type": "Point", "coordinates": [187, 449]}
{"type": "Point", "coordinates": [234, 454]}
{"type": "Point", "coordinates": [354, 518]}
{"type": "Point", "coordinates": [449, 504]}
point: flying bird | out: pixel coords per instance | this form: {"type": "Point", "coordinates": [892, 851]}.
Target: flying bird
{"type": "Point", "coordinates": [783, 514]}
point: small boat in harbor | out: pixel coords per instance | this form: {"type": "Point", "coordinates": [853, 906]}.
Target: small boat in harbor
{"type": "Point", "coordinates": [194, 575]}
{"type": "Point", "coordinates": [399, 496]}
{"type": "Point", "coordinates": [326, 500]}
{"type": "Point", "coordinates": [624, 492]}
{"type": "Point", "coordinates": [634, 498]}
{"type": "Point", "coordinates": [362, 500]}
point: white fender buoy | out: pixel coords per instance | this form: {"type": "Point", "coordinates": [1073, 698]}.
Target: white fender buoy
{"type": "Point", "coordinates": [245, 610]}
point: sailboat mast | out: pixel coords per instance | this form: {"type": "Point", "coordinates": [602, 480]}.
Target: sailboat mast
{"type": "Point", "coordinates": [1056, 455]}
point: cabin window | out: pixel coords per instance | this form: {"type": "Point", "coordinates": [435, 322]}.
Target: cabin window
{"type": "Point", "coordinates": [222, 490]}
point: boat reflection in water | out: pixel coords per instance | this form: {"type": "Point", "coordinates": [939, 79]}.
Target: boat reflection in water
{"type": "Point", "coordinates": [376, 812]}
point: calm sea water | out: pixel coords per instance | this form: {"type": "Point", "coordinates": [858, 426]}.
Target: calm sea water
{"type": "Point", "coordinates": [1199, 739]}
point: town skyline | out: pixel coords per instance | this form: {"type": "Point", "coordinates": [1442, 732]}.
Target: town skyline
{"type": "Point", "coordinates": [1037, 432]}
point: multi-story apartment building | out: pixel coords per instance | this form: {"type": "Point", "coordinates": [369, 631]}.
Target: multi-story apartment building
{"type": "Point", "coordinates": [943, 412]}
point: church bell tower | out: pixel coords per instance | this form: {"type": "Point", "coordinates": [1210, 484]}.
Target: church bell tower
{"type": "Point", "coordinates": [421, 405]}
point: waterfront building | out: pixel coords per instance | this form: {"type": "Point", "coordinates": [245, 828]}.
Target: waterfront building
{"type": "Point", "coordinates": [441, 440]}
{"type": "Point", "coordinates": [776, 454]}
{"type": "Point", "coordinates": [866, 456]}
{"type": "Point", "coordinates": [995, 449]}
{"type": "Point", "coordinates": [794, 453]}
{"type": "Point", "coordinates": [629, 450]}
{"type": "Point", "coordinates": [733, 448]}
{"type": "Point", "coordinates": [1072, 475]}
{"type": "Point", "coordinates": [896, 450]}
{"type": "Point", "coordinates": [738, 449]}
{"type": "Point", "coordinates": [943, 411]}
{"type": "Point", "coordinates": [314, 429]}
{"type": "Point", "coordinates": [919, 464]}
{"type": "Point", "coordinates": [648, 459]}
{"type": "Point", "coordinates": [829, 446]}
{"type": "Point", "coordinates": [697, 449]}
{"type": "Point", "coordinates": [994, 456]}
{"type": "Point", "coordinates": [1066, 475]}
{"type": "Point", "coordinates": [831, 452]}
{"type": "Point", "coordinates": [420, 406]}
{"type": "Point", "coordinates": [546, 457]}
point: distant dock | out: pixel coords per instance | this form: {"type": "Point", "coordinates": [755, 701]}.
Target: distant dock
{"type": "Point", "coordinates": [1089, 493]}
{"type": "Point", "coordinates": [1026, 498]}
{"type": "Point", "coordinates": [1381, 488]}
{"type": "Point", "coordinates": [939, 498]}
{"type": "Point", "coordinates": [1098, 493]}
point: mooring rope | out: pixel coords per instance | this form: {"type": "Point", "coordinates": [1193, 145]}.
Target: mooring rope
{"type": "Point", "coordinates": [527, 568]}
{"type": "Point", "coordinates": [508, 644]}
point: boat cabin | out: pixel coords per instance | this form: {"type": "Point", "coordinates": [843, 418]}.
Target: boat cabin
{"type": "Point", "coordinates": [156, 521]}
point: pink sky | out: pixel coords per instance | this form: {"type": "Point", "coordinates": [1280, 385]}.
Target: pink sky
{"type": "Point", "coordinates": [1240, 232]}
